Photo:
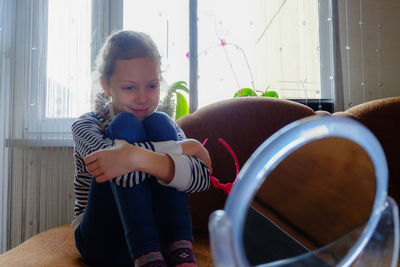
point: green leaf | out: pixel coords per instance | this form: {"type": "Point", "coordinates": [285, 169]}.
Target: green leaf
{"type": "Point", "coordinates": [180, 85]}
{"type": "Point", "coordinates": [245, 92]}
{"type": "Point", "coordinates": [180, 82]}
{"type": "Point", "coordinates": [182, 107]}
{"type": "Point", "coordinates": [271, 94]}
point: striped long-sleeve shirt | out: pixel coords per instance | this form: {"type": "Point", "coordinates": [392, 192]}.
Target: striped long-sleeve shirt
{"type": "Point", "coordinates": [191, 174]}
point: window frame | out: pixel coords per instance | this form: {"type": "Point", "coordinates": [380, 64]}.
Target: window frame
{"type": "Point", "coordinates": [106, 17]}
{"type": "Point", "coordinates": [326, 35]}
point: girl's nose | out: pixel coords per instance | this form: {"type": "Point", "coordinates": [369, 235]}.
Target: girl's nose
{"type": "Point", "coordinates": [140, 96]}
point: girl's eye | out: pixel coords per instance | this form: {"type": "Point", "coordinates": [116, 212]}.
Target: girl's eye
{"type": "Point", "coordinates": [153, 86]}
{"type": "Point", "coordinates": [129, 87]}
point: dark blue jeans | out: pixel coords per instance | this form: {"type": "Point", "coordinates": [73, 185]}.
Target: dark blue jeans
{"type": "Point", "coordinates": [122, 223]}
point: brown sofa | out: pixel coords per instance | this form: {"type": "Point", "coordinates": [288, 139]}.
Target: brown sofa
{"type": "Point", "coordinates": [382, 117]}
{"type": "Point", "coordinates": [244, 123]}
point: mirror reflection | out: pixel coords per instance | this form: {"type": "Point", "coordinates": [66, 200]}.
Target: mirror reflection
{"type": "Point", "coordinates": [322, 192]}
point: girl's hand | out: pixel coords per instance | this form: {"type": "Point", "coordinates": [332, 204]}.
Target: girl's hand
{"type": "Point", "coordinates": [192, 147]}
{"type": "Point", "coordinates": [105, 164]}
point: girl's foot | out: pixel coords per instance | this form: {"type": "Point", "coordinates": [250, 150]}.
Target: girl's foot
{"type": "Point", "coordinates": [151, 259]}
{"type": "Point", "coordinates": [180, 253]}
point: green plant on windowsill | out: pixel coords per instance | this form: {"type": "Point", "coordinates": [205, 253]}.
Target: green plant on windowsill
{"type": "Point", "coordinates": [250, 92]}
{"type": "Point", "coordinates": [175, 103]}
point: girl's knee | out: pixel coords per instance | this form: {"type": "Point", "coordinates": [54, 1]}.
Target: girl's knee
{"type": "Point", "coordinates": [126, 126]}
{"type": "Point", "coordinates": [160, 127]}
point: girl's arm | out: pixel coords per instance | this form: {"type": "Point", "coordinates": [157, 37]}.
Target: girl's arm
{"type": "Point", "coordinates": [88, 135]}
{"type": "Point", "coordinates": [124, 158]}
{"type": "Point", "coordinates": [189, 173]}
{"type": "Point", "coordinates": [182, 172]}
{"type": "Point", "coordinates": [194, 148]}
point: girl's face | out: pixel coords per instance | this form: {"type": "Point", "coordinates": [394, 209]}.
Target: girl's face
{"type": "Point", "coordinates": [134, 86]}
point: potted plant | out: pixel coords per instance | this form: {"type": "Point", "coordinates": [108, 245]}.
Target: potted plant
{"type": "Point", "coordinates": [175, 103]}
{"type": "Point", "coordinates": [250, 92]}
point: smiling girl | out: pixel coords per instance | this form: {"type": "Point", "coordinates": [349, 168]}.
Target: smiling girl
{"type": "Point", "coordinates": [134, 166]}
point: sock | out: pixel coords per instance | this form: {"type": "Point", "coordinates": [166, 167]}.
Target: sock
{"type": "Point", "coordinates": [180, 252]}
{"type": "Point", "coordinates": [151, 259]}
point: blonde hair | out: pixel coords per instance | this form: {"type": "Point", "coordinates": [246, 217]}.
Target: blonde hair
{"type": "Point", "coordinates": [121, 45]}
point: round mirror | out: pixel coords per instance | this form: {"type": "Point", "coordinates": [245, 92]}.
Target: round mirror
{"type": "Point", "coordinates": [317, 194]}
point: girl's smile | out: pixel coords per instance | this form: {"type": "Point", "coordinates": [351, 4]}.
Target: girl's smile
{"type": "Point", "coordinates": [139, 112]}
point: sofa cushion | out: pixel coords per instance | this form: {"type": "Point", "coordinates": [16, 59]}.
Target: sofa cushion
{"type": "Point", "coordinates": [54, 247]}
{"type": "Point", "coordinates": [382, 118]}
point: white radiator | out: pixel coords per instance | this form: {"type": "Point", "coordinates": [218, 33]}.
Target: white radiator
{"type": "Point", "coordinates": [40, 191]}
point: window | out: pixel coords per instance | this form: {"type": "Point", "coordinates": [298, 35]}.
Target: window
{"type": "Point", "coordinates": [68, 82]}
{"type": "Point", "coordinates": [263, 45]}
{"type": "Point", "coordinates": [259, 44]}
{"type": "Point", "coordinates": [52, 56]}
{"type": "Point", "coordinates": [68, 58]}
{"type": "Point", "coordinates": [226, 44]}
{"type": "Point", "coordinates": [167, 23]}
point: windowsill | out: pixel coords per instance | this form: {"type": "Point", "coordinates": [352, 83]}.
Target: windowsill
{"type": "Point", "coordinates": [67, 141]}
{"type": "Point", "coordinates": [317, 103]}
{"type": "Point", "coordinates": [50, 142]}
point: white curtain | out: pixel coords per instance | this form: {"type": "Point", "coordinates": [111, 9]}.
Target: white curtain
{"type": "Point", "coordinates": [5, 93]}
{"type": "Point", "coordinates": [45, 67]}
{"type": "Point", "coordinates": [369, 44]}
